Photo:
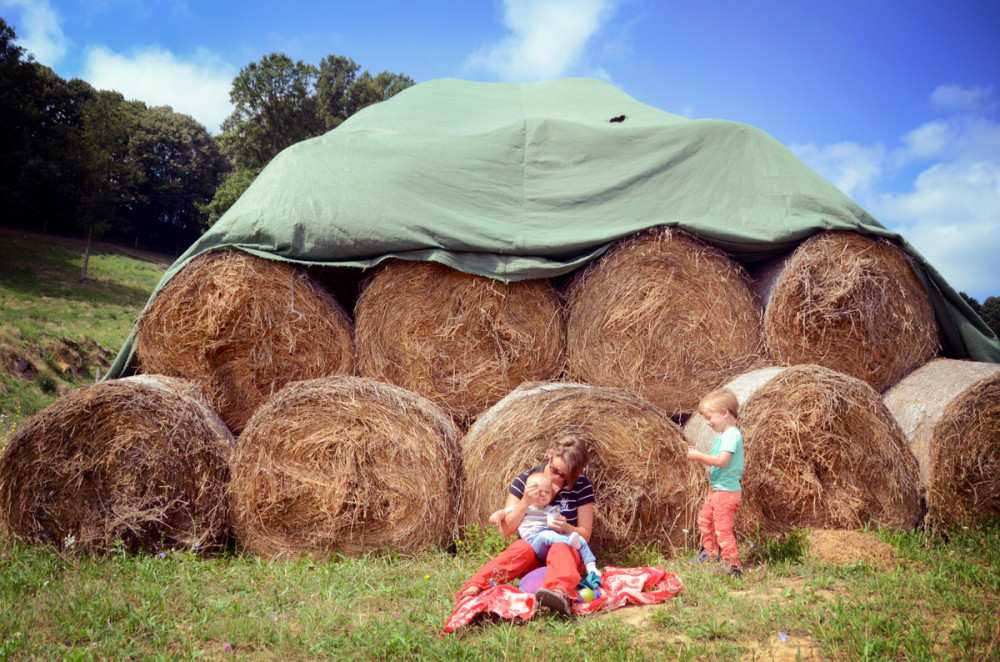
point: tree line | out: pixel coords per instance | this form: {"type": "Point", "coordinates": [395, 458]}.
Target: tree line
{"type": "Point", "coordinates": [77, 160]}
{"type": "Point", "coordinates": [988, 310]}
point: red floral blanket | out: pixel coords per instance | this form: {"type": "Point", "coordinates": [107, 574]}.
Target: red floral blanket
{"type": "Point", "coordinates": [619, 587]}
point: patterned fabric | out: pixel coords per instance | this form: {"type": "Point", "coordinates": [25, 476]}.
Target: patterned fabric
{"type": "Point", "coordinates": [619, 587]}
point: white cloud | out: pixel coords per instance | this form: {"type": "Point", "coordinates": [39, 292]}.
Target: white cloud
{"type": "Point", "coordinates": [952, 216]}
{"type": "Point", "coordinates": [958, 98]}
{"type": "Point", "coordinates": [950, 209]}
{"type": "Point", "coordinates": [197, 86]}
{"type": "Point", "coordinates": [38, 29]}
{"type": "Point", "coordinates": [547, 38]}
{"type": "Point", "coordinates": [850, 166]}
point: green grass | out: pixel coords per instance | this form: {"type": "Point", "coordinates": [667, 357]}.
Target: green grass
{"type": "Point", "coordinates": [47, 314]}
{"type": "Point", "coordinates": [939, 601]}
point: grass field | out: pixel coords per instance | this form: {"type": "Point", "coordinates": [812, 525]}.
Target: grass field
{"type": "Point", "coordinates": [930, 597]}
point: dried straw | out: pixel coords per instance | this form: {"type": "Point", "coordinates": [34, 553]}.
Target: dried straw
{"type": "Point", "coordinates": [850, 303]}
{"type": "Point", "coordinates": [462, 341]}
{"type": "Point", "coordinates": [141, 460]}
{"type": "Point", "coordinates": [665, 315]}
{"type": "Point", "coordinates": [345, 465]}
{"type": "Point", "coordinates": [822, 451]}
{"type": "Point", "coordinates": [647, 491]}
{"type": "Point", "coordinates": [949, 411]}
{"type": "Point", "coordinates": [242, 327]}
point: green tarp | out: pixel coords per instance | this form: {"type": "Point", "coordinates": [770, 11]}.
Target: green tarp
{"type": "Point", "coordinates": [518, 181]}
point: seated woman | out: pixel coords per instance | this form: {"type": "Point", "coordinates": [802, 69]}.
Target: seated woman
{"type": "Point", "coordinates": [566, 459]}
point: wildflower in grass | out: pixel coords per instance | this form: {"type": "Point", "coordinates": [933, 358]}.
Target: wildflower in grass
{"type": "Point", "coordinates": [427, 576]}
{"type": "Point", "coordinates": [163, 555]}
{"type": "Point", "coordinates": [272, 614]}
{"type": "Point", "coordinates": [226, 646]}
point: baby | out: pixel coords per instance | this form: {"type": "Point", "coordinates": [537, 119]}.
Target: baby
{"type": "Point", "coordinates": [539, 515]}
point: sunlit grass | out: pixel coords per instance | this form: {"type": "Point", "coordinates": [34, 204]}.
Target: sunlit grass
{"type": "Point", "coordinates": [938, 602]}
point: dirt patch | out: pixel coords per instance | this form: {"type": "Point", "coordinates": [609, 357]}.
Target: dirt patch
{"type": "Point", "coordinates": [847, 547]}
{"type": "Point", "coordinates": [784, 647]}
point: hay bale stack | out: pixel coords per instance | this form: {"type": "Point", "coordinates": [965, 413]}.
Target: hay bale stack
{"type": "Point", "coordinates": [949, 411]}
{"type": "Point", "coordinates": [665, 315]}
{"type": "Point", "coordinates": [345, 464]}
{"type": "Point", "coordinates": [647, 490]}
{"type": "Point", "coordinates": [822, 451]}
{"type": "Point", "coordinates": [462, 341]}
{"type": "Point", "coordinates": [242, 327]}
{"type": "Point", "coordinates": [143, 460]}
{"type": "Point", "coordinates": [850, 303]}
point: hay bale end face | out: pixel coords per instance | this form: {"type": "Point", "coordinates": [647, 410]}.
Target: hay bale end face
{"type": "Point", "coordinates": [822, 451]}
{"type": "Point", "coordinates": [345, 465]}
{"type": "Point", "coordinates": [462, 341]}
{"type": "Point", "coordinates": [850, 303]}
{"type": "Point", "coordinates": [665, 315]}
{"type": "Point", "coordinates": [242, 327]}
{"type": "Point", "coordinates": [647, 491]}
{"type": "Point", "coordinates": [141, 460]}
{"type": "Point", "coordinates": [949, 411]}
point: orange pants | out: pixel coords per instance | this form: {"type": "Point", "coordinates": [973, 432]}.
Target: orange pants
{"type": "Point", "coordinates": [564, 567]}
{"type": "Point", "coordinates": [716, 521]}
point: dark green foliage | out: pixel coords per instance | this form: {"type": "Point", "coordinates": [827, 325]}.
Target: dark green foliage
{"type": "Point", "coordinates": [990, 312]}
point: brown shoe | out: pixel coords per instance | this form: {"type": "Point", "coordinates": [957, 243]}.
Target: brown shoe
{"type": "Point", "coordinates": [553, 599]}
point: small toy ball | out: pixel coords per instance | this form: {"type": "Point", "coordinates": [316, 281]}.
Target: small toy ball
{"type": "Point", "coordinates": [587, 594]}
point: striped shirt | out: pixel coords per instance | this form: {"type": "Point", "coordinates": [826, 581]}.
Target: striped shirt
{"type": "Point", "coordinates": [535, 519]}
{"type": "Point", "coordinates": [568, 500]}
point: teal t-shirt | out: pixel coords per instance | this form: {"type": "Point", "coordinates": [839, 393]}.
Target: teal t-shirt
{"type": "Point", "coordinates": [727, 478]}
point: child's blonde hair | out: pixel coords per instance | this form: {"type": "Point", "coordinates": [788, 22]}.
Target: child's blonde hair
{"type": "Point", "coordinates": [720, 400]}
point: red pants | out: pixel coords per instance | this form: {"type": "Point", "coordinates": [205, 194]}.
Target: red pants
{"type": "Point", "coordinates": [563, 562]}
{"type": "Point", "coordinates": [716, 521]}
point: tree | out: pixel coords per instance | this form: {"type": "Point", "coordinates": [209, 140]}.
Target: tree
{"type": "Point", "coordinates": [274, 109]}
{"type": "Point", "coordinates": [231, 188]}
{"type": "Point", "coordinates": [341, 91]}
{"type": "Point", "coordinates": [990, 313]}
{"type": "Point", "coordinates": [181, 166]}
{"type": "Point", "coordinates": [336, 74]}
{"type": "Point", "coordinates": [111, 174]}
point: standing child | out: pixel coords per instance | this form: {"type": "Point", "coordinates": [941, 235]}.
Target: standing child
{"type": "Point", "coordinates": [718, 515]}
{"type": "Point", "coordinates": [534, 526]}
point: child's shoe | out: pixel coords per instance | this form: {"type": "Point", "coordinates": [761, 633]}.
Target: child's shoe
{"type": "Point", "coordinates": [703, 557]}
{"type": "Point", "coordinates": [735, 572]}
{"type": "Point", "coordinates": [575, 540]}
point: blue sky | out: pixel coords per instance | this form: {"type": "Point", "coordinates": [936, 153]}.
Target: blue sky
{"type": "Point", "coordinates": [897, 102]}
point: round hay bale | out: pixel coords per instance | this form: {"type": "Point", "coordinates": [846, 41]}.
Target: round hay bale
{"type": "Point", "coordinates": [850, 303]}
{"type": "Point", "coordinates": [141, 460]}
{"type": "Point", "coordinates": [949, 411]}
{"type": "Point", "coordinates": [242, 327]}
{"type": "Point", "coordinates": [647, 490]}
{"type": "Point", "coordinates": [345, 465]}
{"type": "Point", "coordinates": [462, 341]}
{"type": "Point", "coordinates": [822, 451]}
{"type": "Point", "coordinates": [665, 315]}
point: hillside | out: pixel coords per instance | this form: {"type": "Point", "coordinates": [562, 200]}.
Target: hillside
{"type": "Point", "coordinates": [57, 333]}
